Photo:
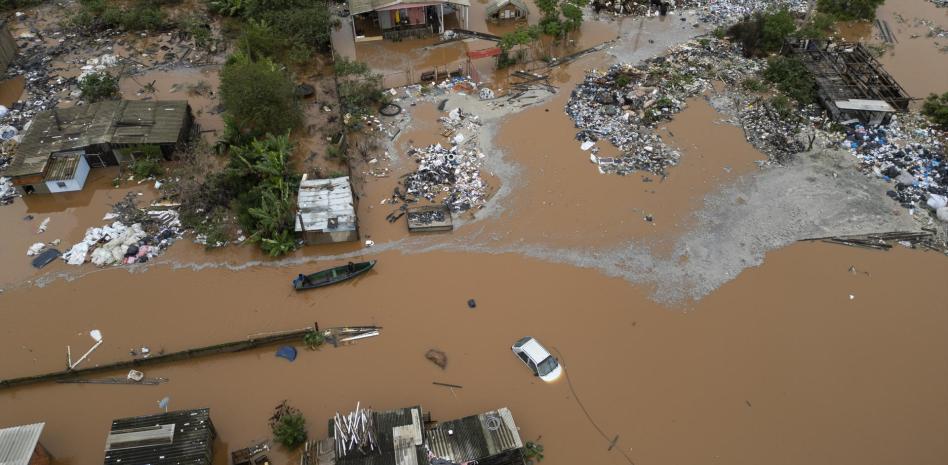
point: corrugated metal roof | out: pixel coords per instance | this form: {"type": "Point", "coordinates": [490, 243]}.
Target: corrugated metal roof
{"type": "Point", "coordinates": [192, 442]}
{"type": "Point", "coordinates": [387, 424]}
{"type": "Point", "coordinates": [864, 105]}
{"type": "Point", "coordinates": [496, 5]}
{"type": "Point", "coordinates": [113, 121]}
{"type": "Point", "coordinates": [325, 205]}
{"type": "Point", "coordinates": [62, 167]}
{"type": "Point", "coordinates": [476, 437]}
{"type": "Point", "coordinates": [18, 442]}
{"type": "Point", "coordinates": [364, 6]}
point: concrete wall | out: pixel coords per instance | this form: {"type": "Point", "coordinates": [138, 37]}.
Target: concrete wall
{"type": "Point", "coordinates": [319, 237]}
{"type": "Point", "coordinates": [8, 47]}
{"type": "Point", "coordinates": [74, 184]}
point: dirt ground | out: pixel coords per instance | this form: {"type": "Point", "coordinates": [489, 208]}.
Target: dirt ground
{"type": "Point", "coordinates": [708, 335]}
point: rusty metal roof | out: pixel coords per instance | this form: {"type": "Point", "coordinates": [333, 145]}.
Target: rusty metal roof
{"type": "Point", "coordinates": [18, 442]}
{"type": "Point", "coordinates": [62, 167]}
{"type": "Point", "coordinates": [114, 121]}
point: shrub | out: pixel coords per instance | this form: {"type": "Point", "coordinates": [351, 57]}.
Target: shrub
{"type": "Point", "coordinates": [533, 452]}
{"type": "Point", "coordinates": [147, 161]}
{"type": "Point", "coordinates": [314, 339]}
{"type": "Point", "coordinates": [98, 86]}
{"type": "Point", "coordinates": [359, 89]}
{"type": "Point", "coordinates": [792, 78]}
{"type": "Point", "coordinates": [850, 9]}
{"type": "Point", "coordinates": [258, 95]}
{"type": "Point", "coordinates": [142, 15]}
{"type": "Point", "coordinates": [819, 26]}
{"type": "Point", "coordinates": [936, 109]}
{"type": "Point", "coordinates": [290, 429]}
{"type": "Point", "coordinates": [753, 85]}
{"type": "Point", "coordinates": [763, 33]}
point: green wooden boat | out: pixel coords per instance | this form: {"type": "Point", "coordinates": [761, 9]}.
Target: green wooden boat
{"type": "Point", "coordinates": [331, 276]}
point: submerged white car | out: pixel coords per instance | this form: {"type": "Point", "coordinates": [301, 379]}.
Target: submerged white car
{"type": "Point", "coordinates": [537, 359]}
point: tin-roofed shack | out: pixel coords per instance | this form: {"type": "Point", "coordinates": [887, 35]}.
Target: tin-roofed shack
{"type": "Point", "coordinates": [851, 83]}
{"type": "Point", "coordinates": [326, 211]}
{"type": "Point", "coordinates": [19, 445]}
{"type": "Point", "coordinates": [103, 134]}
{"type": "Point", "coordinates": [182, 437]}
{"type": "Point", "coordinates": [506, 10]}
{"type": "Point", "coordinates": [406, 19]}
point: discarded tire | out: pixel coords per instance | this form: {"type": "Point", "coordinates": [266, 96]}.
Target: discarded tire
{"type": "Point", "coordinates": [390, 110]}
{"type": "Point", "coordinates": [304, 90]}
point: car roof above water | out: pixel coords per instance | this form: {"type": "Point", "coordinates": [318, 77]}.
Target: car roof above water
{"type": "Point", "coordinates": [533, 349]}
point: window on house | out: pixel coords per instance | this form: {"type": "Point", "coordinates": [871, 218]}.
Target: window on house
{"type": "Point", "coordinates": [61, 184]}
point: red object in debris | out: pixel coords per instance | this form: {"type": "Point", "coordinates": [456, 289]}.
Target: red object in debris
{"type": "Point", "coordinates": [487, 52]}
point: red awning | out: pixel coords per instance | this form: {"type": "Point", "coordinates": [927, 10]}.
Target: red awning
{"type": "Point", "coordinates": [487, 52]}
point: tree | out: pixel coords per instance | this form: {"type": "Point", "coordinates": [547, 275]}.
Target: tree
{"type": "Point", "coordinates": [818, 27]}
{"type": "Point", "coordinates": [936, 109]}
{"type": "Point", "coordinates": [288, 426]}
{"type": "Point", "coordinates": [792, 78]}
{"type": "Point", "coordinates": [850, 9]}
{"type": "Point", "coordinates": [98, 86]}
{"type": "Point", "coordinates": [561, 16]}
{"type": "Point", "coordinates": [259, 96]}
{"type": "Point", "coordinates": [763, 33]}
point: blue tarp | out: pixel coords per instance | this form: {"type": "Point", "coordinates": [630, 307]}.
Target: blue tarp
{"type": "Point", "coordinates": [287, 352]}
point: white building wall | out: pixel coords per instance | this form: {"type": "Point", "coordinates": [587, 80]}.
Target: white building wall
{"type": "Point", "coordinates": [74, 184]}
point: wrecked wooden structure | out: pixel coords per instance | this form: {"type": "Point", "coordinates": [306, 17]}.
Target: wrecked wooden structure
{"type": "Point", "coordinates": [101, 134]}
{"type": "Point", "coordinates": [181, 437]}
{"type": "Point", "coordinates": [851, 84]}
{"type": "Point", "coordinates": [407, 436]}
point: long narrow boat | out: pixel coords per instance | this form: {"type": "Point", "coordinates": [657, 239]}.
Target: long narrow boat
{"type": "Point", "coordinates": [331, 276]}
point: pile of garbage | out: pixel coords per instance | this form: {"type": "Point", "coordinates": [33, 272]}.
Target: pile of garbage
{"type": "Point", "coordinates": [427, 216]}
{"type": "Point", "coordinates": [714, 11]}
{"type": "Point", "coordinates": [907, 153]}
{"type": "Point", "coordinates": [452, 175]}
{"type": "Point", "coordinates": [769, 132]}
{"type": "Point", "coordinates": [7, 191]}
{"type": "Point", "coordinates": [625, 104]}
{"type": "Point", "coordinates": [136, 236]}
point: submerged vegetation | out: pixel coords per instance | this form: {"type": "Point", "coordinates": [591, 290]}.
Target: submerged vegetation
{"type": "Point", "coordinates": [288, 426]}
{"type": "Point", "coordinates": [850, 9]}
{"type": "Point", "coordinates": [360, 90]}
{"type": "Point", "coordinates": [936, 109]}
{"type": "Point", "coordinates": [99, 86]}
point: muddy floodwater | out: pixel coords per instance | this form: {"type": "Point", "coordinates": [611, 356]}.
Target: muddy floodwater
{"type": "Point", "coordinates": [780, 365]}
{"type": "Point", "coordinates": [823, 355]}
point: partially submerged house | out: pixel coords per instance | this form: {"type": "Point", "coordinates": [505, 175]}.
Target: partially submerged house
{"type": "Point", "coordinates": [61, 145]}
{"type": "Point", "coordinates": [851, 83]}
{"type": "Point", "coordinates": [407, 437]}
{"type": "Point", "coordinates": [181, 437]}
{"type": "Point", "coordinates": [20, 445]}
{"type": "Point", "coordinates": [326, 211]}
{"type": "Point", "coordinates": [404, 19]}
{"type": "Point", "coordinates": [506, 10]}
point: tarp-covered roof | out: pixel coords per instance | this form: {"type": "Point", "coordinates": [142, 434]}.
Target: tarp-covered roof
{"type": "Point", "coordinates": [114, 121]}
{"type": "Point", "coordinates": [364, 6]}
{"type": "Point", "coordinates": [496, 5]}
{"type": "Point", "coordinates": [18, 442]}
{"type": "Point", "coordinates": [325, 205]}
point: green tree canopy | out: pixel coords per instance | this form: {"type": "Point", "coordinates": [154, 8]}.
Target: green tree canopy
{"type": "Point", "coordinates": [763, 33]}
{"type": "Point", "coordinates": [850, 9]}
{"type": "Point", "coordinates": [936, 109]}
{"type": "Point", "coordinates": [259, 96]}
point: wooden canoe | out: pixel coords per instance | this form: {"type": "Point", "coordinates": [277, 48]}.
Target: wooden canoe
{"type": "Point", "coordinates": [331, 276]}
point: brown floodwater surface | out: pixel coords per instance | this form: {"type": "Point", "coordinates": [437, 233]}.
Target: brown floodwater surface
{"type": "Point", "coordinates": [918, 62]}
{"type": "Point", "coordinates": [778, 366]}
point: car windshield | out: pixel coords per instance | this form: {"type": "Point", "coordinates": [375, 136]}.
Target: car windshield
{"type": "Point", "coordinates": [547, 365]}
